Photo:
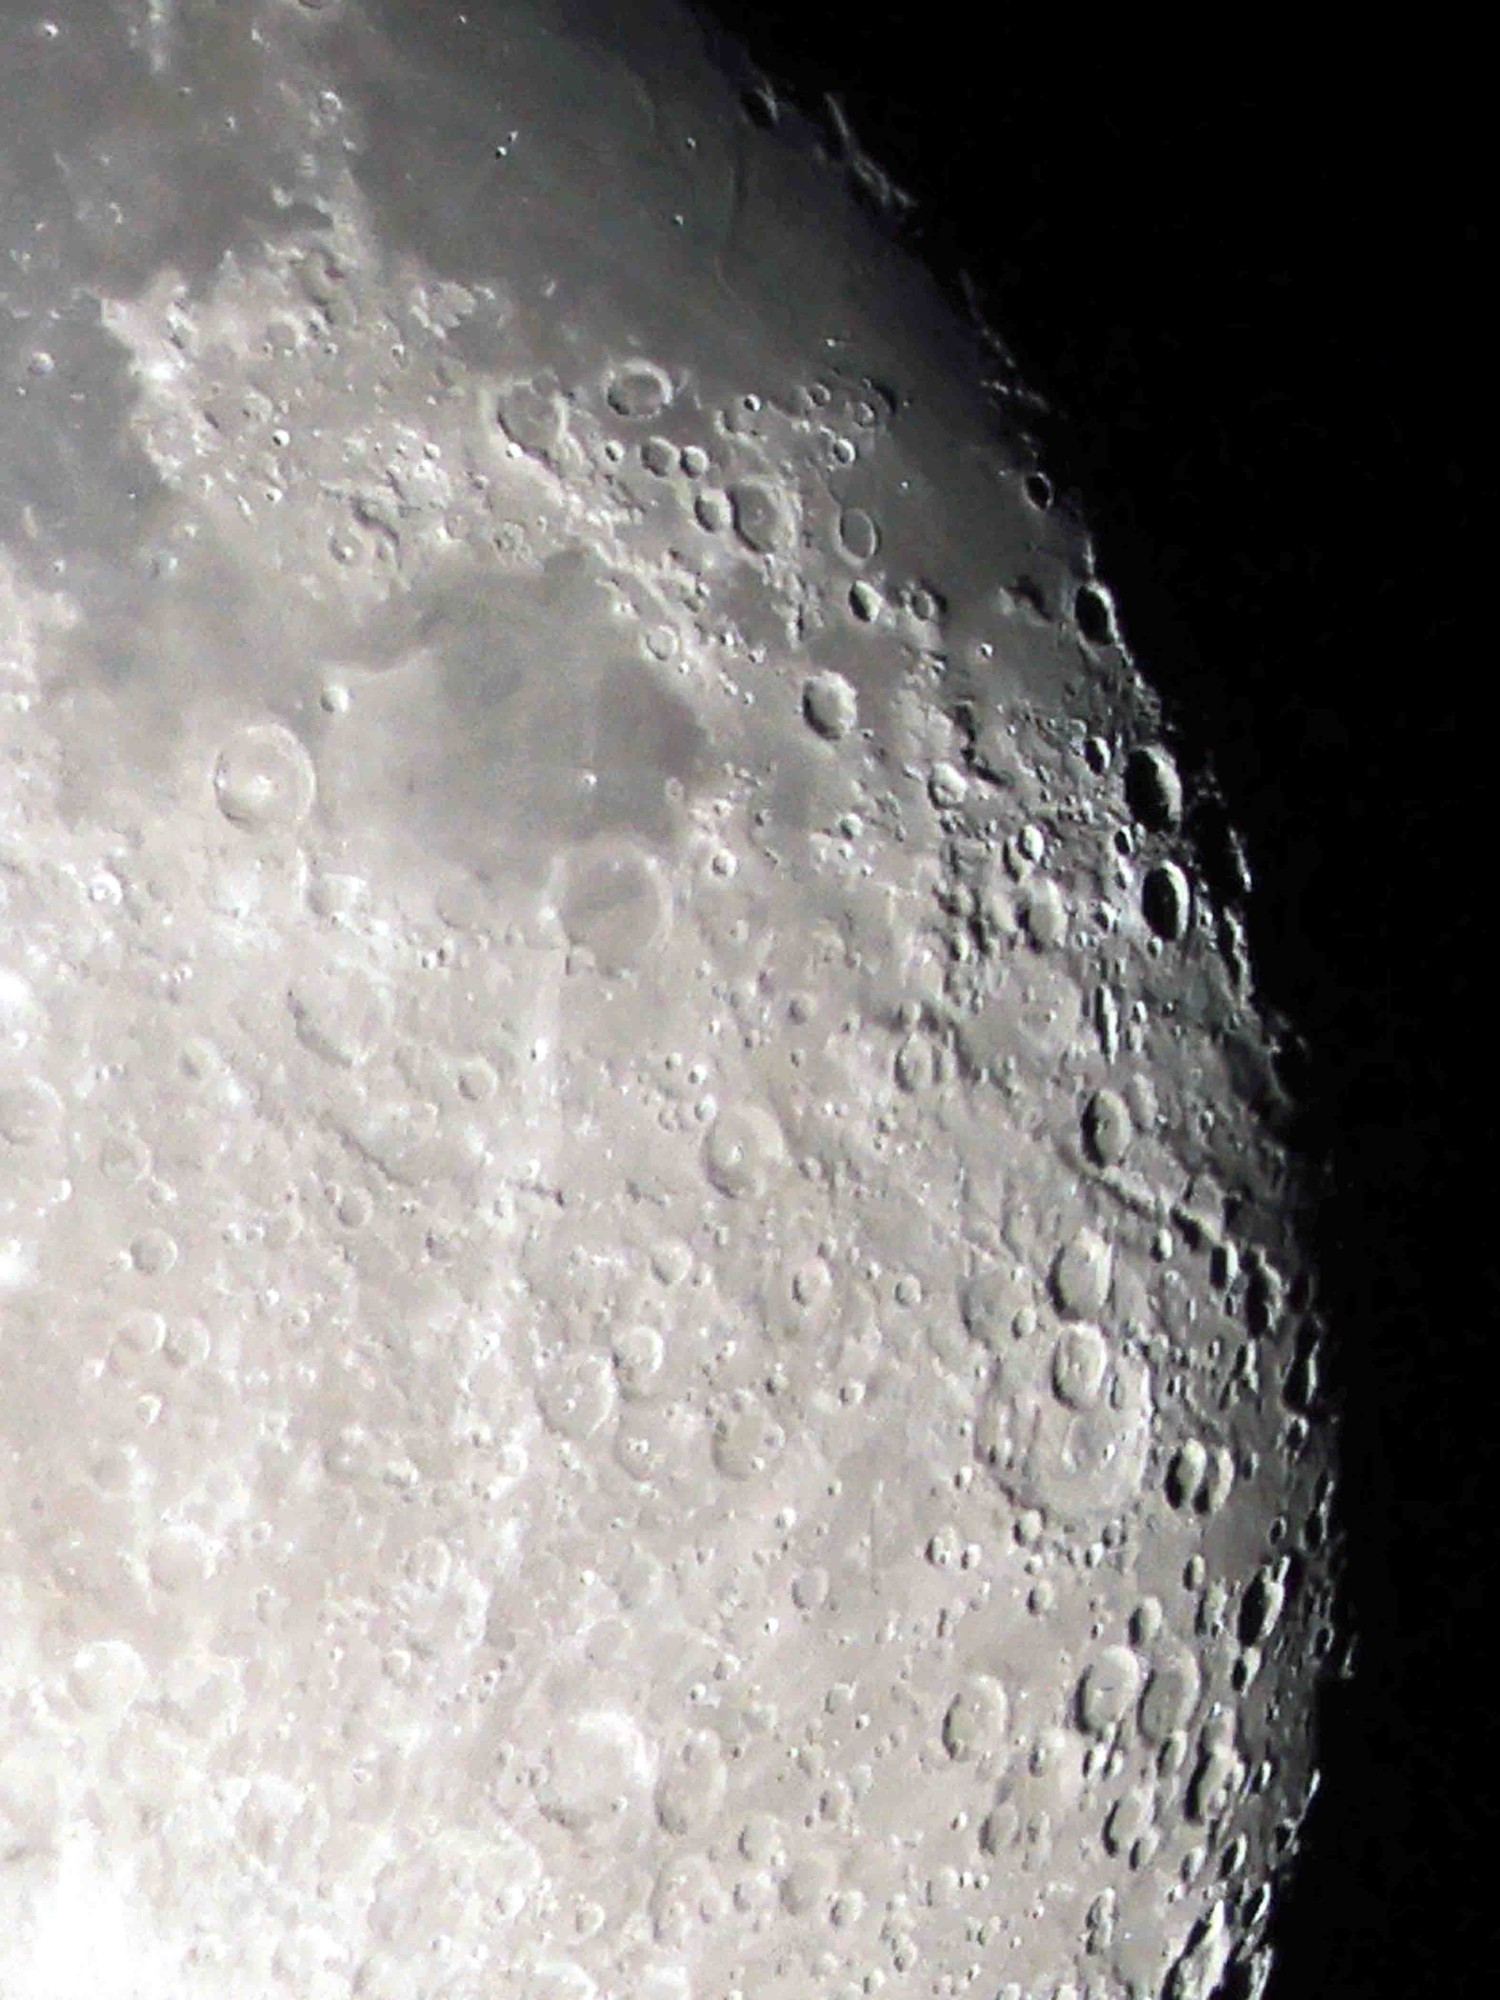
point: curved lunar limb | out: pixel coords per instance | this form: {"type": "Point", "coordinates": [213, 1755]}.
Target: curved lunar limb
{"type": "Point", "coordinates": [651, 1316]}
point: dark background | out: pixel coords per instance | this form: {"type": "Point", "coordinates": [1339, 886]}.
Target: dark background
{"type": "Point", "coordinates": [1244, 277]}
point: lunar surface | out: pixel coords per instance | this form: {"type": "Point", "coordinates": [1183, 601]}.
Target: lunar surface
{"type": "Point", "coordinates": [651, 1324]}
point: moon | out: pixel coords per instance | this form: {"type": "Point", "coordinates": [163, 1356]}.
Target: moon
{"type": "Point", "coordinates": [653, 1318]}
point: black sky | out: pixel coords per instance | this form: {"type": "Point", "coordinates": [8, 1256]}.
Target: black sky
{"type": "Point", "coordinates": [1242, 266]}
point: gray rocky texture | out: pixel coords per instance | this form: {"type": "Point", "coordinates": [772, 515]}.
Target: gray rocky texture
{"type": "Point", "coordinates": [650, 1310]}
